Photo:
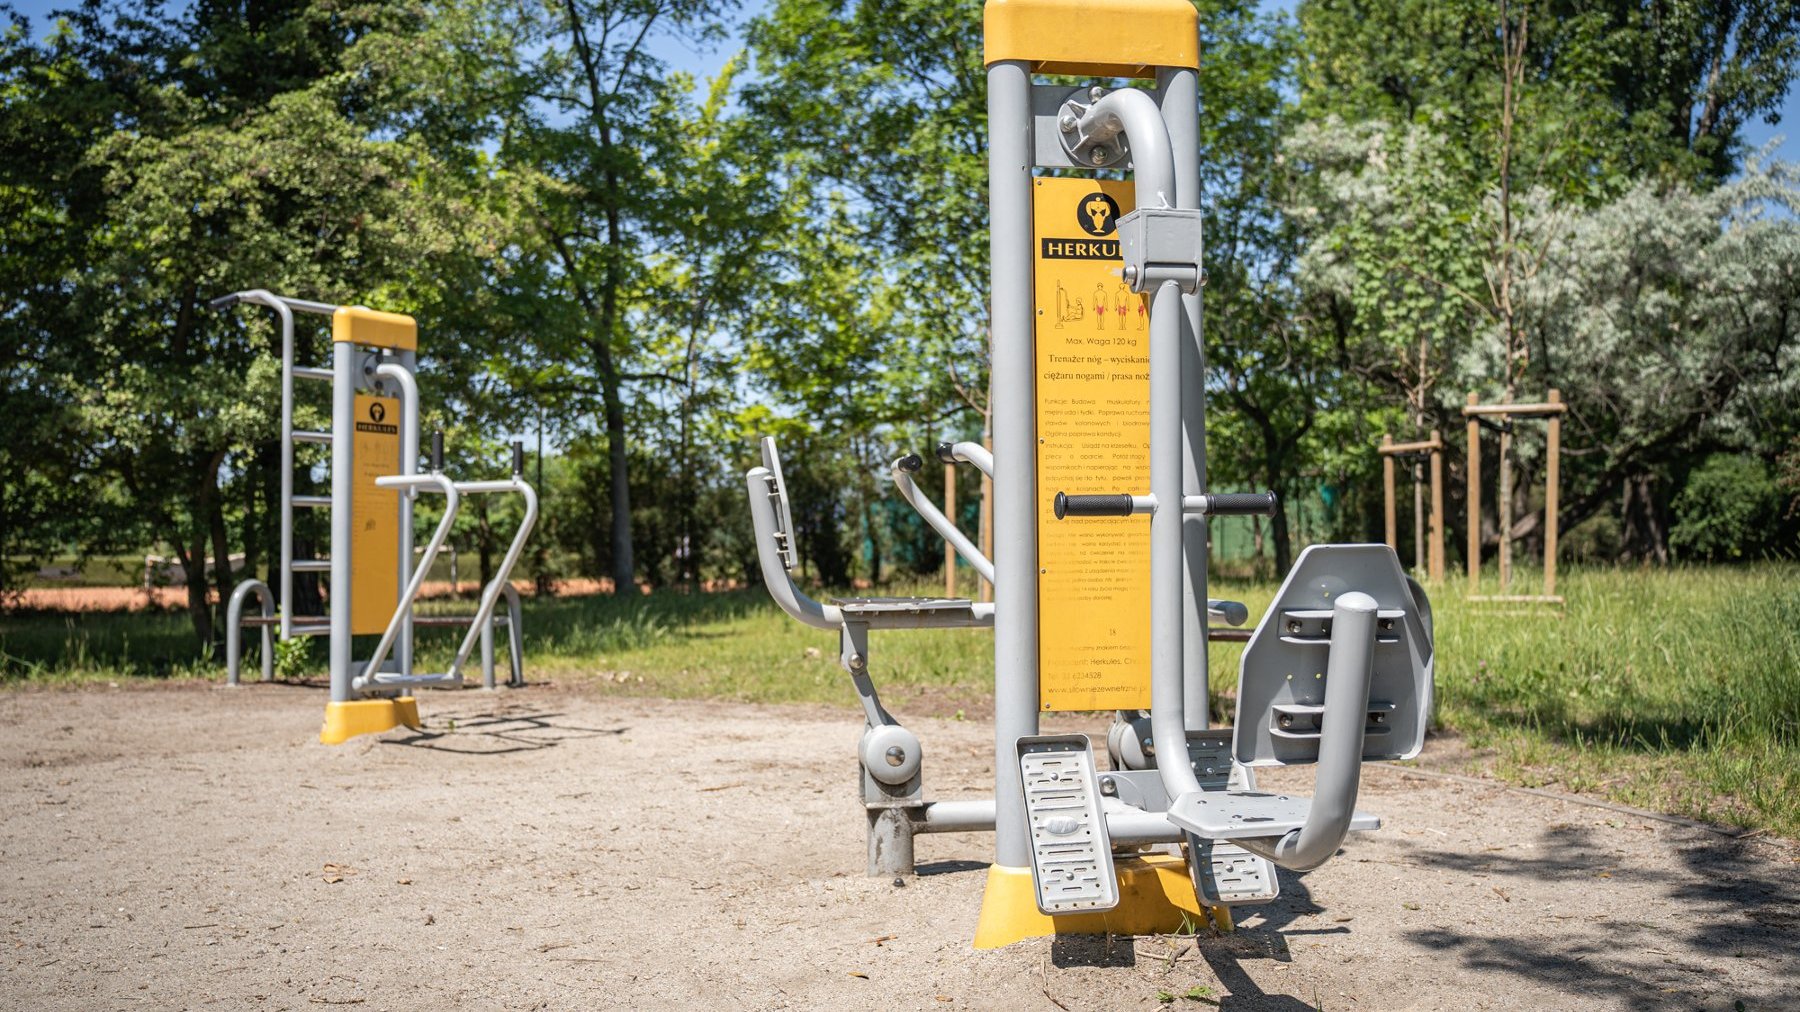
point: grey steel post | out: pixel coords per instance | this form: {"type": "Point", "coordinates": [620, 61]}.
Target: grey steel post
{"type": "Point", "coordinates": [343, 485]}
{"type": "Point", "coordinates": [515, 635]}
{"type": "Point", "coordinates": [1014, 385]}
{"type": "Point", "coordinates": [287, 465]}
{"type": "Point", "coordinates": [1179, 92]}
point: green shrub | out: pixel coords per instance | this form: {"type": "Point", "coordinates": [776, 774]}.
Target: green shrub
{"type": "Point", "coordinates": [1727, 510]}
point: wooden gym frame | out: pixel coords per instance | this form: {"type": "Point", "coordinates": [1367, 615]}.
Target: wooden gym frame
{"type": "Point", "coordinates": [1428, 549]}
{"type": "Point", "coordinates": [1551, 409]}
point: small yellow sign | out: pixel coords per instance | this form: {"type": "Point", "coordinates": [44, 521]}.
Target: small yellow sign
{"type": "Point", "coordinates": [374, 516]}
{"type": "Point", "coordinates": [1093, 425]}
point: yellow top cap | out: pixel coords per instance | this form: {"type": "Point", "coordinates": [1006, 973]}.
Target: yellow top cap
{"type": "Point", "coordinates": [356, 325]}
{"type": "Point", "coordinates": [1093, 38]}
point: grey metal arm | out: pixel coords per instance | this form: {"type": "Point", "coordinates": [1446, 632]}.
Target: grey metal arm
{"type": "Point", "coordinates": [760, 483]}
{"type": "Point", "coordinates": [234, 631]}
{"type": "Point", "coordinates": [1229, 612]}
{"type": "Point", "coordinates": [972, 453]}
{"type": "Point", "coordinates": [403, 613]}
{"type": "Point", "coordinates": [1347, 673]}
{"type": "Point", "coordinates": [903, 471]}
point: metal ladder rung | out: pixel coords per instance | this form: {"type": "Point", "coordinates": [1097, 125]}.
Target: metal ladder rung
{"type": "Point", "coordinates": [309, 436]}
{"type": "Point", "coordinates": [395, 678]}
{"type": "Point", "coordinates": [312, 565]}
{"type": "Point", "coordinates": [313, 501]}
{"type": "Point", "coordinates": [308, 372]}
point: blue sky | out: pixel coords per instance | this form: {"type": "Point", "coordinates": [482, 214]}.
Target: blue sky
{"type": "Point", "coordinates": [702, 62]}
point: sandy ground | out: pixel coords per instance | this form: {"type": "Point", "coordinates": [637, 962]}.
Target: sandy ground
{"type": "Point", "coordinates": [195, 847]}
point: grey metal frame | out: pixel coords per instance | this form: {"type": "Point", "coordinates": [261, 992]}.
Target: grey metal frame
{"type": "Point", "coordinates": [355, 368]}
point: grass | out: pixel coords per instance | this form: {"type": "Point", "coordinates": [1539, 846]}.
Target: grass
{"type": "Point", "coordinates": [1676, 690]}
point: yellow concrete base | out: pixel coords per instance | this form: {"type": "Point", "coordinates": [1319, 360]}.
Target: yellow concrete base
{"type": "Point", "coordinates": [1156, 897]}
{"type": "Point", "coordinates": [344, 721]}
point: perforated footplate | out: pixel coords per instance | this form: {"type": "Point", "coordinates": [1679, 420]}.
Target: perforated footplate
{"type": "Point", "coordinates": [1235, 815]}
{"type": "Point", "coordinates": [1227, 874]}
{"type": "Point", "coordinates": [1071, 854]}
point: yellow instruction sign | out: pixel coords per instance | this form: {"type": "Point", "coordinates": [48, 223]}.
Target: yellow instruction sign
{"type": "Point", "coordinates": [1093, 426]}
{"type": "Point", "coordinates": [374, 516]}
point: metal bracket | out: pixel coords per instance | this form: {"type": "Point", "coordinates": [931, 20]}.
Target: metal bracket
{"type": "Point", "coordinates": [1162, 244]}
{"type": "Point", "coordinates": [1090, 145]}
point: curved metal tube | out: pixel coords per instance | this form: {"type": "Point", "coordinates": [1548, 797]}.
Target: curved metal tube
{"type": "Point", "coordinates": [940, 523]}
{"type": "Point", "coordinates": [1347, 673]}
{"type": "Point", "coordinates": [409, 465]}
{"type": "Point", "coordinates": [760, 483]}
{"type": "Point", "coordinates": [970, 452]}
{"type": "Point", "coordinates": [515, 635]}
{"type": "Point", "coordinates": [452, 502]}
{"type": "Point", "coordinates": [1135, 114]}
{"type": "Point", "coordinates": [234, 631]}
{"type": "Point", "coordinates": [484, 613]}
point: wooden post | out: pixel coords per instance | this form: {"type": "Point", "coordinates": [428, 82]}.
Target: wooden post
{"type": "Point", "coordinates": [1437, 507]}
{"type": "Point", "coordinates": [1387, 493]}
{"type": "Point", "coordinates": [1553, 467]}
{"type": "Point", "coordinates": [1473, 505]}
{"type": "Point", "coordinates": [1418, 489]}
{"type": "Point", "coordinates": [950, 514]}
{"type": "Point", "coordinates": [1503, 493]}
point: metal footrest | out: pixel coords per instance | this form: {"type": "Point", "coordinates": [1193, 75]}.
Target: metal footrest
{"type": "Point", "coordinates": [1228, 875]}
{"type": "Point", "coordinates": [1237, 815]}
{"type": "Point", "coordinates": [1071, 854]}
{"type": "Point", "coordinates": [395, 678]}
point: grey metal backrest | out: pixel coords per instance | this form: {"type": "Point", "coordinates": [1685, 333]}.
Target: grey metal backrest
{"type": "Point", "coordinates": [1281, 681]}
{"type": "Point", "coordinates": [775, 543]}
{"type": "Point", "coordinates": [784, 517]}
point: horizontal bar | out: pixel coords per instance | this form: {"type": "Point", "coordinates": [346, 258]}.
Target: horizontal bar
{"type": "Point", "coordinates": [1539, 408]}
{"type": "Point", "coordinates": [956, 817]}
{"type": "Point", "coordinates": [312, 565]}
{"type": "Point", "coordinates": [1419, 447]}
{"type": "Point", "coordinates": [1221, 634]}
{"type": "Point", "coordinates": [1116, 504]}
{"type": "Point", "coordinates": [395, 678]}
{"type": "Point", "coordinates": [307, 372]}
{"type": "Point", "coordinates": [456, 621]}
{"type": "Point", "coordinates": [310, 436]}
{"type": "Point", "coordinates": [483, 487]}
{"type": "Point", "coordinates": [1231, 504]}
{"type": "Point", "coordinates": [312, 501]}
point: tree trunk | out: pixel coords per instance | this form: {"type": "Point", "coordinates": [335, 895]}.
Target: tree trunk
{"type": "Point", "coordinates": [617, 457]}
{"type": "Point", "coordinates": [221, 542]}
{"type": "Point", "coordinates": [1646, 534]}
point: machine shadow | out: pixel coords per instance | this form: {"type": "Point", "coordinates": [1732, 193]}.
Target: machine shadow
{"type": "Point", "coordinates": [948, 868]}
{"type": "Point", "coordinates": [1726, 902]}
{"type": "Point", "coordinates": [500, 733]}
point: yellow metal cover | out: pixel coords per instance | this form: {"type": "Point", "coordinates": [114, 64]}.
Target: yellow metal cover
{"type": "Point", "coordinates": [374, 516]}
{"type": "Point", "coordinates": [1093, 423]}
{"type": "Point", "coordinates": [1093, 38]}
{"type": "Point", "coordinates": [372, 327]}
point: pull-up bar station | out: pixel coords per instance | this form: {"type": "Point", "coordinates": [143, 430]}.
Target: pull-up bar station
{"type": "Point", "coordinates": [1499, 417]}
{"type": "Point", "coordinates": [1428, 534]}
{"type": "Point", "coordinates": [374, 581]}
{"type": "Point", "coordinates": [1092, 612]}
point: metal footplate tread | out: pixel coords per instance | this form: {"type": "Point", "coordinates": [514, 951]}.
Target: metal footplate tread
{"type": "Point", "coordinates": [1238, 815]}
{"type": "Point", "coordinates": [1224, 874]}
{"type": "Point", "coordinates": [1071, 854]}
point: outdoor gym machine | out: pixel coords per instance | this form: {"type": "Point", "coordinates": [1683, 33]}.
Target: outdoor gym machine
{"type": "Point", "coordinates": [374, 581]}
{"type": "Point", "coordinates": [1338, 669]}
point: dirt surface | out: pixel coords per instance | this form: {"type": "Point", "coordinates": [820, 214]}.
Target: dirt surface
{"type": "Point", "coordinates": [195, 847]}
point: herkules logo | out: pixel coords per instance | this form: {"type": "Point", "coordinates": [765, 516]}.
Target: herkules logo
{"type": "Point", "coordinates": [1097, 214]}
{"type": "Point", "coordinates": [378, 421]}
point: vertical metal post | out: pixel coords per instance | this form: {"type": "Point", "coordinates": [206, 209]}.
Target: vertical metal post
{"type": "Point", "coordinates": [950, 512]}
{"type": "Point", "coordinates": [1552, 479]}
{"type": "Point", "coordinates": [1389, 526]}
{"type": "Point", "coordinates": [401, 369]}
{"type": "Point", "coordinates": [1472, 508]}
{"type": "Point", "coordinates": [987, 510]}
{"type": "Point", "coordinates": [343, 485]}
{"type": "Point", "coordinates": [1437, 506]}
{"type": "Point", "coordinates": [1178, 93]}
{"type": "Point", "coordinates": [286, 577]}
{"type": "Point", "coordinates": [1014, 372]}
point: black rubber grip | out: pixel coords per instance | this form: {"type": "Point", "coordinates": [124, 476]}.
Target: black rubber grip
{"type": "Point", "coordinates": [946, 452]}
{"type": "Point", "coordinates": [910, 463]}
{"type": "Point", "coordinates": [518, 459]}
{"type": "Point", "coordinates": [1092, 505]}
{"type": "Point", "coordinates": [1241, 504]}
{"type": "Point", "coordinates": [437, 450]}
{"type": "Point", "coordinates": [223, 302]}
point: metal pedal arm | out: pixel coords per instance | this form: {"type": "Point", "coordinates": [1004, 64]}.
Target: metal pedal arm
{"type": "Point", "coordinates": [1347, 673]}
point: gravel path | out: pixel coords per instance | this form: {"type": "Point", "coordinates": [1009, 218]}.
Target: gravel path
{"type": "Point", "coordinates": [194, 847]}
